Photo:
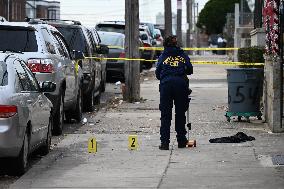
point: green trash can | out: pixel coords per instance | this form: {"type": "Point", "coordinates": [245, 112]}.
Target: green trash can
{"type": "Point", "coordinates": [244, 92]}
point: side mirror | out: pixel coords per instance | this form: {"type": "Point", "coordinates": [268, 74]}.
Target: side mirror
{"type": "Point", "coordinates": [48, 86]}
{"type": "Point", "coordinates": [77, 55]}
{"type": "Point", "coordinates": [103, 49]}
{"type": "Point", "coordinates": [144, 37]}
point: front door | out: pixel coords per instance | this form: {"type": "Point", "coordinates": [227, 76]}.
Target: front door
{"type": "Point", "coordinates": [71, 75]}
{"type": "Point", "coordinates": [38, 113]}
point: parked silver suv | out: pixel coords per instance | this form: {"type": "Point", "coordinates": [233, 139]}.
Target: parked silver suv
{"type": "Point", "coordinates": [47, 55]}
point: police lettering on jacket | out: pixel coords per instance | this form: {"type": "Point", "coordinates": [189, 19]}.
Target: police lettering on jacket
{"type": "Point", "coordinates": [174, 60]}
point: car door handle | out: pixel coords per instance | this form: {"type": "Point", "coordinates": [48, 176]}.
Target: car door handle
{"type": "Point", "coordinates": [29, 101]}
{"type": "Point", "coordinates": [40, 102]}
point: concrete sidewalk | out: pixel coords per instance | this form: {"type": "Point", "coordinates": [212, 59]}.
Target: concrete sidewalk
{"type": "Point", "coordinates": [245, 165]}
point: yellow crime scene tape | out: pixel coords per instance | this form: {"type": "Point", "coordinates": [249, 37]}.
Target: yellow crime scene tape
{"type": "Point", "coordinates": [115, 47]}
{"type": "Point", "coordinates": [193, 62]}
{"type": "Point", "coordinates": [191, 49]}
{"type": "Point", "coordinates": [187, 49]}
{"type": "Point", "coordinates": [228, 63]}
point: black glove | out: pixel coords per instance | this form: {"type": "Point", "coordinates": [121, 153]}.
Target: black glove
{"type": "Point", "coordinates": [189, 70]}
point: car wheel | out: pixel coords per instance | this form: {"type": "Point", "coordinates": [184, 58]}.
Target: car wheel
{"type": "Point", "coordinates": [97, 99]}
{"type": "Point", "coordinates": [78, 111]}
{"type": "Point", "coordinates": [88, 100]}
{"type": "Point", "coordinates": [45, 149]}
{"type": "Point", "coordinates": [68, 116]}
{"type": "Point", "coordinates": [103, 86]}
{"type": "Point", "coordinates": [141, 67]}
{"type": "Point", "coordinates": [58, 118]}
{"type": "Point", "coordinates": [148, 65]}
{"type": "Point", "coordinates": [22, 159]}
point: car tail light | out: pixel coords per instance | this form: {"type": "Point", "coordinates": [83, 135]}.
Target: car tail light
{"type": "Point", "coordinates": [41, 65]}
{"type": "Point", "coordinates": [7, 111]}
{"type": "Point", "coordinates": [122, 55]}
{"type": "Point", "coordinates": [146, 45]}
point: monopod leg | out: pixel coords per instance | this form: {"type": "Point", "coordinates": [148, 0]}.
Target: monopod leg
{"type": "Point", "coordinates": [187, 120]}
{"type": "Point", "coordinates": [191, 143]}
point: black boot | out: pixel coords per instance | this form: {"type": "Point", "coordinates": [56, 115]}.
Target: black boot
{"type": "Point", "coordinates": [164, 146]}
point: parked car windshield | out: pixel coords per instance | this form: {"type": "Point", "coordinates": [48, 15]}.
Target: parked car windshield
{"type": "Point", "coordinates": [3, 74]}
{"type": "Point", "coordinates": [74, 38]}
{"type": "Point", "coordinates": [18, 40]}
{"type": "Point", "coordinates": [111, 28]}
{"type": "Point", "coordinates": [112, 40]}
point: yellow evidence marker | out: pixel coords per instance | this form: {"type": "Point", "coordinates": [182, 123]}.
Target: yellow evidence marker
{"type": "Point", "coordinates": [92, 145]}
{"type": "Point", "coordinates": [132, 142]}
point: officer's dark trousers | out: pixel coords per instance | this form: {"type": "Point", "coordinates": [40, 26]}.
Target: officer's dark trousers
{"type": "Point", "coordinates": [175, 89]}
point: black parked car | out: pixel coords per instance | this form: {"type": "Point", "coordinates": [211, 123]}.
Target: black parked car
{"type": "Point", "coordinates": [103, 53]}
{"type": "Point", "coordinates": [115, 42]}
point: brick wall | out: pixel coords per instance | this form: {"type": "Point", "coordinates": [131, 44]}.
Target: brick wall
{"type": "Point", "coordinates": [3, 7]}
{"type": "Point", "coordinates": [41, 11]}
{"type": "Point", "coordinates": [17, 10]}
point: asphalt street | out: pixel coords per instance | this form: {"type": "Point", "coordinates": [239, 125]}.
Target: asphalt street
{"type": "Point", "coordinates": [241, 165]}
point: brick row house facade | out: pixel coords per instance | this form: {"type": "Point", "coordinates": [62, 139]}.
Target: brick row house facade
{"type": "Point", "coordinates": [19, 9]}
{"type": "Point", "coordinates": [43, 9]}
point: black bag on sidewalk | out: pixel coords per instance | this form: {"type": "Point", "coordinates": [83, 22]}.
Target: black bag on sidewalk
{"type": "Point", "coordinates": [238, 138]}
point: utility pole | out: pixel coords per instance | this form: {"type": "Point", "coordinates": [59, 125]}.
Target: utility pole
{"type": "Point", "coordinates": [179, 21]}
{"type": "Point", "coordinates": [168, 17]}
{"type": "Point", "coordinates": [197, 30]}
{"type": "Point", "coordinates": [195, 21]}
{"type": "Point", "coordinates": [194, 24]}
{"type": "Point", "coordinates": [132, 67]}
{"type": "Point", "coordinates": [242, 12]}
{"type": "Point", "coordinates": [189, 21]}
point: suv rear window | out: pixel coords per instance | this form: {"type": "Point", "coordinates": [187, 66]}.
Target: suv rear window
{"type": "Point", "coordinates": [112, 40]}
{"type": "Point", "coordinates": [111, 28]}
{"type": "Point", "coordinates": [3, 74]}
{"type": "Point", "coordinates": [74, 38]}
{"type": "Point", "coordinates": [18, 39]}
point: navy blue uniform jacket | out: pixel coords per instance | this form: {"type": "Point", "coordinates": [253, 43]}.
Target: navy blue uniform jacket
{"type": "Point", "coordinates": [173, 62]}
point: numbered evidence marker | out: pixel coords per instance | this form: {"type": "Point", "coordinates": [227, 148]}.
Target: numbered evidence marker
{"type": "Point", "coordinates": [132, 142]}
{"type": "Point", "coordinates": [92, 145]}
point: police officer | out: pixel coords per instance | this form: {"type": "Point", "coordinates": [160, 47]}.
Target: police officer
{"type": "Point", "coordinates": [172, 69]}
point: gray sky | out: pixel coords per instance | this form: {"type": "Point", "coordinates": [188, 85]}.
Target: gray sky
{"type": "Point", "coordinates": [89, 12]}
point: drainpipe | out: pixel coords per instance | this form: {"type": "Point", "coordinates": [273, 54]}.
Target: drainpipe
{"type": "Point", "coordinates": [34, 9]}
{"type": "Point", "coordinates": [8, 12]}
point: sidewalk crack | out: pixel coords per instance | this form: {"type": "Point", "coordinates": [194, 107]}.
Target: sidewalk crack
{"type": "Point", "coordinates": [167, 167]}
